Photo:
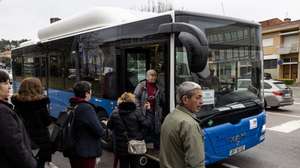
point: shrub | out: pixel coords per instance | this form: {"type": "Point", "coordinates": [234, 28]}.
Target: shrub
{"type": "Point", "coordinates": [288, 81]}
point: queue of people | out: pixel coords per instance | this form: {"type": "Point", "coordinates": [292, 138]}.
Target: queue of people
{"type": "Point", "coordinates": [138, 116]}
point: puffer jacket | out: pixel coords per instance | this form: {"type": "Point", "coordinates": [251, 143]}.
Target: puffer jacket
{"type": "Point", "coordinates": [126, 118]}
{"type": "Point", "coordinates": [36, 118]}
{"type": "Point", "coordinates": [15, 148]}
{"type": "Point", "coordinates": [88, 130]}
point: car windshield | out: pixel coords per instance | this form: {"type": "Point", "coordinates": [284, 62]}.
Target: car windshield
{"type": "Point", "coordinates": [233, 63]}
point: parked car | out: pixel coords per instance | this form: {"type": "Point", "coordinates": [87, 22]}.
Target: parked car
{"type": "Point", "coordinates": [276, 93]}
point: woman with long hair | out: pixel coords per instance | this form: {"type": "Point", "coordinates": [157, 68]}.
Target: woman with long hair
{"type": "Point", "coordinates": [33, 106]}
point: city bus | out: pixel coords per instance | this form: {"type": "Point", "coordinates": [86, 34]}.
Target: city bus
{"type": "Point", "coordinates": [113, 48]}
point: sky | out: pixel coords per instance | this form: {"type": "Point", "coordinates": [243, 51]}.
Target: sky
{"type": "Point", "coordinates": [20, 19]}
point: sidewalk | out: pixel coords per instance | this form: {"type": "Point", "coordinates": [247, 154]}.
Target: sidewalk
{"type": "Point", "coordinates": [296, 92]}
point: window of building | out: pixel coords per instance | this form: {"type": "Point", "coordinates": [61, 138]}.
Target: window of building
{"type": "Point", "coordinates": [246, 34]}
{"type": "Point", "coordinates": [240, 34]}
{"type": "Point", "coordinates": [290, 59]}
{"type": "Point", "coordinates": [270, 64]}
{"type": "Point", "coordinates": [268, 42]}
{"type": "Point", "coordinates": [234, 35]}
{"type": "Point", "coordinates": [228, 36]}
{"type": "Point", "coordinates": [291, 41]}
{"type": "Point", "coordinates": [220, 37]}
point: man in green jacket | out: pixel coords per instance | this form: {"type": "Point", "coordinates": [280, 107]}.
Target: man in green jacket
{"type": "Point", "coordinates": [181, 138]}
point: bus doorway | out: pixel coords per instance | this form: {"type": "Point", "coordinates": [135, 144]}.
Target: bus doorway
{"type": "Point", "coordinates": [138, 60]}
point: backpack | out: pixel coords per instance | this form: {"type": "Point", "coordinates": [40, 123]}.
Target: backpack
{"type": "Point", "coordinates": [62, 136]}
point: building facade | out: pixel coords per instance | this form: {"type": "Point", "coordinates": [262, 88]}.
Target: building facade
{"type": "Point", "coordinates": [280, 39]}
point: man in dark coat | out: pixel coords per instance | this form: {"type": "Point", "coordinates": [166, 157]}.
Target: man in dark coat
{"type": "Point", "coordinates": [87, 128]}
{"type": "Point", "coordinates": [15, 149]}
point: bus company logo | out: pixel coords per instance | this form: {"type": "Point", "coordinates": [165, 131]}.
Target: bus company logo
{"type": "Point", "coordinates": [237, 138]}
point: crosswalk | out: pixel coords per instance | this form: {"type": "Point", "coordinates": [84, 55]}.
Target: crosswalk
{"type": "Point", "coordinates": [286, 127]}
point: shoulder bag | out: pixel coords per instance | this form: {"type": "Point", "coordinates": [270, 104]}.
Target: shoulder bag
{"type": "Point", "coordinates": [135, 147]}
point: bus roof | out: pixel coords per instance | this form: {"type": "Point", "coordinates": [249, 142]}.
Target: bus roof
{"type": "Point", "coordinates": [96, 18]}
{"type": "Point", "coordinates": [27, 43]}
{"type": "Point", "coordinates": [104, 17]}
{"type": "Point", "coordinates": [217, 17]}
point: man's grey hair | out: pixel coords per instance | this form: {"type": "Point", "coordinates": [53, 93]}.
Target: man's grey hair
{"type": "Point", "coordinates": [151, 71]}
{"type": "Point", "coordinates": [186, 89]}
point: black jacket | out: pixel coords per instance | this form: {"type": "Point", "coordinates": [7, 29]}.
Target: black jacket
{"type": "Point", "coordinates": [15, 148]}
{"type": "Point", "coordinates": [127, 118]}
{"type": "Point", "coordinates": [88, 130]}
{"type": "Point", "coordinates": [36, 118]}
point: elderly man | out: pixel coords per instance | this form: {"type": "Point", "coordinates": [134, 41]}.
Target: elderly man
{"type": "Point", "coordinates": [181, 140]}
{"type": "Point", "coordinates": [150, 99]}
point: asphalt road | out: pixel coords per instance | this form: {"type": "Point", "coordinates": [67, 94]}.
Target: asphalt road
{"type": "Point", "coordinates": [281, 148]}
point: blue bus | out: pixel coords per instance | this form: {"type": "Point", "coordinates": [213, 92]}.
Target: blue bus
{"type": "Point", "coordinates": [113, 48]}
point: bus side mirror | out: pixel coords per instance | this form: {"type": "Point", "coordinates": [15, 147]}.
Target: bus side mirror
{"type": "Point", "coordinates": [193, 39]}
{"type": "Point", "coordinates": [197, 52]}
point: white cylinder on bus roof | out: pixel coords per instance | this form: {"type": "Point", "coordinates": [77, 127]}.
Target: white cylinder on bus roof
{"type": "Point", "coordinates": [95, 18]}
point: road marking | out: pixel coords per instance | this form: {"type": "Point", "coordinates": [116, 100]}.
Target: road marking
{"type": "Point", "coordinates": [285, 115]}
{"type": "Point", "coordinates": [229, 165]}
{"type": "Point", "coordinates": [286, 127]}
{"type": "Point", "coordinates": [296, 103]}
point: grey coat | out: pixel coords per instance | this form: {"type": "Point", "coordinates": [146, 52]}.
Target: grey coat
{"type": "Point", "coordinates": [141, 97]}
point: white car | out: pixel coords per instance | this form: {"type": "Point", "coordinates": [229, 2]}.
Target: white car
{"type": "Point", "coordinates": [276, 93]}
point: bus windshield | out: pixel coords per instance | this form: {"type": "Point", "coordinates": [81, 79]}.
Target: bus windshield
{"type": "Point", "coordinates": [234, 57]}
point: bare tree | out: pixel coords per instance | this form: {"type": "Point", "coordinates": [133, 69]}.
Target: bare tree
{"type": "Point", "coordinates": [157, 6]}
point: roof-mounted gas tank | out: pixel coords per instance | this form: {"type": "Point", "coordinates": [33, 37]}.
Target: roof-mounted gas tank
{"type": "Point", "coordinates": [92, 19]}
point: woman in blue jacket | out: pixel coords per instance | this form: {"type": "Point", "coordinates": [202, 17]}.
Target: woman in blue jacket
{"type": "Point", "coordinates": [87, 128]}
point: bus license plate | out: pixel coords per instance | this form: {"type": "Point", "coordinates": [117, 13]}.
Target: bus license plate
{"type": "Point", "coordinates": [236, 150]}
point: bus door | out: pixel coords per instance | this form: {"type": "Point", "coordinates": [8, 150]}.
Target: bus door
{"type": "Point", "coordinates": [140, 59]}
{"type": "Point", "coordinates": [137, 63]}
